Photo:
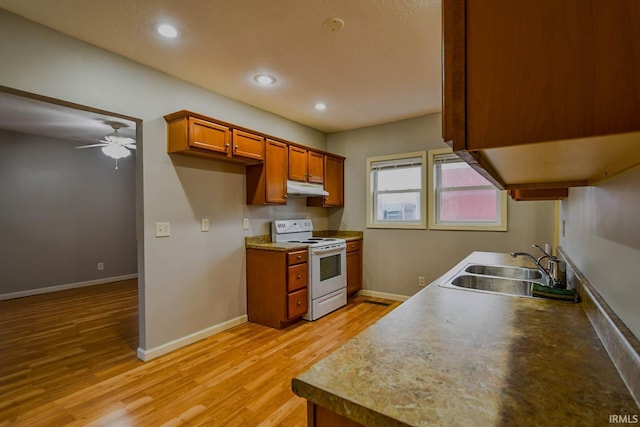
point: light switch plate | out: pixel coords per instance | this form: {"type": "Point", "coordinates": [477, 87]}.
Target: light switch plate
{"type": "Point", "coordinates": [163, 229]}
{"type": "Point", "coordinates": [205, 224]}
{"type": "Point", "coordinates": [245, 223]}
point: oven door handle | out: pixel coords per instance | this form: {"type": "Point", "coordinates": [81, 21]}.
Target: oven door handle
{"type": "Point", "coordinates": [321, 251]}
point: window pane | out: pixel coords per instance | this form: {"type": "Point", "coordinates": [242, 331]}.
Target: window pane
{"type": "Point", "coordinates": [399, 179]}
{"type": "Point", "coordinates": [469, 205]}
{"type": "Point", "coordinates": [398, 207]}
{"type": "Point", "coordinates": [460, 175]}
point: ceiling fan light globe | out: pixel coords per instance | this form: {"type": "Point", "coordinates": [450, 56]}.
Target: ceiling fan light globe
{"type": "Point", "coordinates": [116, 151]}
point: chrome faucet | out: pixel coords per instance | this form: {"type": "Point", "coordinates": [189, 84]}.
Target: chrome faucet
{"type": "Point", "coordinates": [555, 273]}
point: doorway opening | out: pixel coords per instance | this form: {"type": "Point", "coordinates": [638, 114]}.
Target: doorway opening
{"type": "Point", "coordinates": [70, 184]}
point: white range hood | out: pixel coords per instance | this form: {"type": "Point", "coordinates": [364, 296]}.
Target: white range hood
{"type": "Point", "coordinates": [305, 189]}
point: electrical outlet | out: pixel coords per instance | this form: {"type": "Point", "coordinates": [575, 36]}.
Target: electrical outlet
{"type": "Point", "coordinates": [101, 266]}
{"type": "Point", "coordinates": [205, 224]}
{"type": "Point", "coordinates": [421, 281]}
{"type": "Point", "coordinates": [163, 229]}
{"type": "Point", "coordinates": [245, 223]}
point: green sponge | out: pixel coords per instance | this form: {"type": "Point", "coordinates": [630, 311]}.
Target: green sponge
{"type": "Point", "coordinates": [542, 291]}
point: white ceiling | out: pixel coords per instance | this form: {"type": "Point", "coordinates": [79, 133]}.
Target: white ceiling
{"type": "Point", "coordinates": [384, 65]}
{"type": "Point", "coordinates": [26, 115]}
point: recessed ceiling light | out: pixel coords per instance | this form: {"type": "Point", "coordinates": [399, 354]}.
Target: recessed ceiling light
{"type": "Point", "coordinates": [321, 106]}
{"type": "Point", "coordinates": [168, 31]}
{"type": "Point", "coordinates": [264, 79]}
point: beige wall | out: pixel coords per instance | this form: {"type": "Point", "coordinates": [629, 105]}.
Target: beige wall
{"type": "Point", "coordinates": [191, 281]}
{"type": "Point", "coordinates": [602, 237]}
{"type": "Point", "coordinates": [393, 259]}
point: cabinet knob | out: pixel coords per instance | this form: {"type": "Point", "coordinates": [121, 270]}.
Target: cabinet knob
{"type": "Point", "coordinates": [235, 147]}
{"type": "Point", "coordinates": [226, 147]}
{"type": "Point", "coordinates": [299, 303]}
{"type": "Point", "coordinates": [299, 276]}
{"type": "Point", "coordinates": [285, 196]}
{"type": "Point", "coordinates": [299, 256]}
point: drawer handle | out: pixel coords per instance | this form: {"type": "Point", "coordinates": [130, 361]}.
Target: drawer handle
{"type": "Point", "coordinates": [299, 303]}
{"type": "Point", "coordinates": [299, 256]}
{"type": "Point", "coordinates": [299, 276]}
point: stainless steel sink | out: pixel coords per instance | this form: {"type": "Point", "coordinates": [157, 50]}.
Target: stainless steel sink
{"type": "Point", "coordinates": [498, 279]}
{"type": "Point", "coordinates": [505, 271]}
{"type": "Point", "coordinates": [493, 284]}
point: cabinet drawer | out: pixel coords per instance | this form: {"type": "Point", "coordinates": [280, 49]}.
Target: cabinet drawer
{"type": "Point", "coordinates": [297, 277]}
{"type": "Point", "coordinates": [354, 245]}
{"type": "Point", "coordinates": [297, 257]}
{"type": "Point", "coordinates": [297, 304]}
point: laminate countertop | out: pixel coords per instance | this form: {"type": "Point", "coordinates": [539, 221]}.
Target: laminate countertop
{"type": "Point", "coordinates": [456, 357]}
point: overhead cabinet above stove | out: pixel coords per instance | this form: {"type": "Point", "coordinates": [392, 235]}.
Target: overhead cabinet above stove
{"type": "Point", "coordinates": [271, 162]}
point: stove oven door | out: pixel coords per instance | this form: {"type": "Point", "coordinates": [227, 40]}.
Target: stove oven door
{"type": "Point", "coordinates": [328, 270]}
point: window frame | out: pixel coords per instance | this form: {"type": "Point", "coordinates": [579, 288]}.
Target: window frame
{"type": "Point", "coordinates": [435, 224]}
{"type": "Point", "coordinates": [372, 222]}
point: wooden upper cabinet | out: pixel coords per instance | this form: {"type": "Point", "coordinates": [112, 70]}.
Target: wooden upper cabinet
{"type": "Point", "coordinates": [315, 167]}
{"type": "Point", "coordinates": [248, 145]}
{"type": "Point", "coordinates": [297, 163]}
{"type": "Point", "coordinates": [543, 93]}
{"type": "Point", "coordinates": [267, 182]}
{"type": "Point", "coordinates": [194, 134]}
{"type": "Point", "coordinates": [209, 136]}
{"type": "Point", "coordinates": [333, 183]}
{"type": "Point", "coordinates": [276, 172]}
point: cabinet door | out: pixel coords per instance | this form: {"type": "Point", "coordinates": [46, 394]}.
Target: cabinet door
{"type": "Point", "coordinates": [275, 165]}
{"type": "Point", "coordinates": [297, 163]}
{"type": "Point", "coordinates": [315, 163]}
{"type": "Point", "coordinates": [354, 272]}
{"type": "Point", "coordinates": [208, 136]}
{"type": "Point", "coordinates": [334, 181]}
{"type": "Point", "coordinates": [248, 145]}
{"type": "Point", "coordinates": [297, 303]}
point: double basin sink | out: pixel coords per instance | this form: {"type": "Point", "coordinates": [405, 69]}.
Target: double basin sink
{"type": "Point", "coordinates": [502, 279]}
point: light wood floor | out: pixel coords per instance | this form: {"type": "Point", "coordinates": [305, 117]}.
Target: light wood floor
{"type": "Point", "coordinates": [68, 358]}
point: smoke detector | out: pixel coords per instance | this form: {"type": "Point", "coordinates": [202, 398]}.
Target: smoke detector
{"type": "Point", "coordinates": [331, 25]}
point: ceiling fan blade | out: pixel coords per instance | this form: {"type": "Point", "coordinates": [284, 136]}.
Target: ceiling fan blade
{"type": "Point", "coordinates": [130, 146]}
{"type": "Point", "coordinates": [93, 145]}
{"type": "Point", "coordinates": [93, 139]}
{"type": "Point", "coordinates": [117, 139]}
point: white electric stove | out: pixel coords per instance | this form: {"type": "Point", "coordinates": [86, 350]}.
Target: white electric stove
{"type": "Point", "coordinates": [327, 265]}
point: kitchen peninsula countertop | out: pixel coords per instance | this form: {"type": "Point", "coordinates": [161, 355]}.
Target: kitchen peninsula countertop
{"type": "Point", "coordinates": [264, 241]}
{"type": "Point", "coordinates": [456, 357]}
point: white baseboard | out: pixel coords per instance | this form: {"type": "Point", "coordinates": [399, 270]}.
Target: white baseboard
{"type": "Point", "coordinates": [48, 289]}
{"type": "Point", "coordinates": [376, 294]}
{"type": "Point", "coordinates": [146, 355]}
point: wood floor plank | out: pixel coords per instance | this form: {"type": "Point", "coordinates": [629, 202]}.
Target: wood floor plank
{"type": "Point", "coordinates": [68, 359]}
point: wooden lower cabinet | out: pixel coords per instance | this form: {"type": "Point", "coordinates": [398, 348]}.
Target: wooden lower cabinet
{"type": "Point", "coordinates": [317, 416]}
{"type": "Point", "coordinates": [354, 266]}
{"type": "Point", "coordinates": [277, 294]}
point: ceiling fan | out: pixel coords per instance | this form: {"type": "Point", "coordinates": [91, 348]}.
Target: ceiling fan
{"type": "Point", "coordinates": [114, 145]}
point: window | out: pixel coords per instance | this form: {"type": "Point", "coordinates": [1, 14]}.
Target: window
{"type": "Point", "coordinates": [395, 191]}
{"type": "Point", "coordinates": [462, 199]}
